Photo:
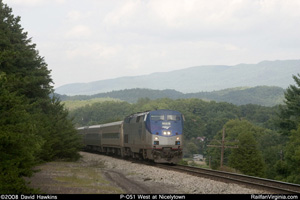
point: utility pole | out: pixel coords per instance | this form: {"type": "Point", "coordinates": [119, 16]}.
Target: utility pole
{"type": "Point", "coordinates": [281, 155]}
{"type": "Point", "coordinates": [222, 146]}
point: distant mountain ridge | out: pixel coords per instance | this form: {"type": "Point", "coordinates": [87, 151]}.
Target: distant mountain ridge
{"type": "Point", "coordinates": [261, 95]}
{"type": "Point", "coordinates": [196, 79]}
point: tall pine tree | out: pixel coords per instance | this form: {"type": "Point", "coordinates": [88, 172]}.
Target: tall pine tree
{"type": "Point", "coordinates": [289, 123]}
{"type": "Point", "coordinates": [19, 141]}
{"type": "Point", "coordinates": [290, 112]}
{"type": "Point", "coordinates": [33, 127]}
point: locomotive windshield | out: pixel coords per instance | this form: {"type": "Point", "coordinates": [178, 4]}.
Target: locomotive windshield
{"type": "Point", "coordinates": [162, 117]}
{"type": "Point", "coordinates": [157, 117]}
{"type": "Point", "coordinates": [173, 117]}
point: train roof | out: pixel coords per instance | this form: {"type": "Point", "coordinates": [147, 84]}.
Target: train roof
{"type": "Point", "coordinates": [101, 125]}
{"type": "Point", "coordinates": [153, 112]}
{"type": "Point", "coordinates": [164, 111]}
{"type": "Point", "coordinates": [112, 124]}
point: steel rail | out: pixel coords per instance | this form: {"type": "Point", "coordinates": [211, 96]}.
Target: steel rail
{"type": "Point", "coordinates": [260, 183]}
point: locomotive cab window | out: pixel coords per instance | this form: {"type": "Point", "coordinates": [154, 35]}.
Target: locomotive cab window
{"type": "Point", "coordinates": [157, 117]}
{"type": "Point", "coordinates": [140, 118]}
{"type": "Point", "coordinates": [173, 117]}
{"type": "Point", "coordinates": [127, 120]}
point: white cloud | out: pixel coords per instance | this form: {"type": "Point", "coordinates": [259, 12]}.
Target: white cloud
{"type": "Point", "coordinates": [78, 32]}
{"type": "Point", "coordinates": [31, 3]}
{"type": "Point", "coordinates": [74, 15]}
{"type": "Point", "coordinates": [117, 38]}
{"type": "Point", "coordinates": [200, 15]}
{"type": "Point", "coordinates": [91, 51]}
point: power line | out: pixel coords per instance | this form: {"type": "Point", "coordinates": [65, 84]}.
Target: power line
{"type": "Point", "coordinates": [223, 146]}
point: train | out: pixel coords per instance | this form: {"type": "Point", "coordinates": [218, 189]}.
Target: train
{"type": "Point", "coordinates": [155, 135]}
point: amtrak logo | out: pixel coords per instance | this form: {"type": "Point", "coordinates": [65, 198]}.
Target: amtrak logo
{"type": "Point", "coordinates": [166, 125]}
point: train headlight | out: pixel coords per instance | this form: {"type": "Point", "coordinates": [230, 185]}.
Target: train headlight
{"type": "Point", "coordinates": [156, 138]}
{"type": "Point", "coordinates": [177, 138]}
{"type": "Point", "coordinates": [167, 132]}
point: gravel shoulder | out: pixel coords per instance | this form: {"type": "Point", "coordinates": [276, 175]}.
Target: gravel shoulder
{"type": "Point", "coordinates": [99, 174]}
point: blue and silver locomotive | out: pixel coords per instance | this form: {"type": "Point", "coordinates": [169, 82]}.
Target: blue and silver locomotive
{"type": "Point", "coordinates": [151, 135]}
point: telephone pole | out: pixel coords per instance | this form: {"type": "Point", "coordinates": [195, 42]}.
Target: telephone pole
{"type": "Point", "coordinates": [222, 146]}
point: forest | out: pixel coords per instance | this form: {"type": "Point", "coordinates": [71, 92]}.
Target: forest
{"type": "Point", "coordinates": [267, 137]}
{"type": "Point", "coordinates": [34, 128]}
{"type": "Point", "coordinates": [261, 95]}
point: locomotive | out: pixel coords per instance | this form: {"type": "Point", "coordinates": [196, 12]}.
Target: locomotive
{"type": "Point", "coordinates": [152, 135]}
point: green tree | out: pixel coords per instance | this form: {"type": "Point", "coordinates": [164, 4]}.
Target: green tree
{"type": "Point", "coordinates": [290, 112]}
{"type": "Point", "coordinates": [289, 123]}
{"type": "Point", "coordinates": [191, 148]}
{"type": "Point", "coordinates": [247, 158]}
{"type": "Point", "coordinates": [19, 59]}
{"type": "Point", "coordinates": [62, 140]}
{"type": "Point", "coordinates": [29, 119]}
{"type": "Point", "coordinates": [292, 156]}
{"type": "Point", "coordinates": [272, 145]}
{"type": "Point", "coordinates": [19, 142]}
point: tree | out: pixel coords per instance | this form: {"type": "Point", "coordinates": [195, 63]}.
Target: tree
{"type": "Point", "coordinates": [19, 142]}
{"type": "Point", "coordinates": [19, 59]}
{"type": "Point", "coordinates": [31, 123]}
{"type": "Point", "coordinates": [191, 148]}
{"type": "Point", "coordinates": [62, 140]}
{"type": "Point", "coordinates": [290, 112]}
{"type": "Point", "coordinates": [289, 123]}
{"type": "Point", "coordinates": [292, 157]}
{"type": "Point", "coordinates": [247, 158]}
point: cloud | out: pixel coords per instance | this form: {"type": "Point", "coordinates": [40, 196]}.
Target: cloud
{"type": "Point", "coordinates": [132, 37]}
{"type": "Point", "coordinates": [31, 3]}
{"type": "Point", "coordinates": [215, 16]}
{"type": "Point", "coordinates": [78, 32]}
{"type": "Point", "coordinates": [74, 15]}
{"type": "Point", "coordinates": [92, 51]}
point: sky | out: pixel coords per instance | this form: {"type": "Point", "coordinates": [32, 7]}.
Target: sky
{"type": "Point", "coordinates": [90, 40]}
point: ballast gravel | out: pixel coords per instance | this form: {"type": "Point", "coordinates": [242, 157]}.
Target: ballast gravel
{"type": "Point", "coordinates": [161, 181]}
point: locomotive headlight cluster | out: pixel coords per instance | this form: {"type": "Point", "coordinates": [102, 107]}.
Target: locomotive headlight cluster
{"type": "Point", "coordinates": [156, 138]}
{"type": "Point", "coordinates": [166, 132]}
{"type": "Point", "coordinates": [177, 138]}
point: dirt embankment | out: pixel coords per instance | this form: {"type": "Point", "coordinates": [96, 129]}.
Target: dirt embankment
{"type": "Point", "coordinates": [99, 174]}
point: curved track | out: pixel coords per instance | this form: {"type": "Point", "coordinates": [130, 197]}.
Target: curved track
{"type": "Point", "coordinates": [273, 186]}
{"type": "Point", "coordinates": [255, 182]}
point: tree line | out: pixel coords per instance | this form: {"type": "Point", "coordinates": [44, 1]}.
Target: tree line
{"type": "Point", "coordinates": [34, 128]}
{"type": "Point", "coordinates": [267, 137]}
{"type": "Point", "coordinates": [261, 95]}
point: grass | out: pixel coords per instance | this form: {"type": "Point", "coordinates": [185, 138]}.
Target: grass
{"type": "Point", "coordinates": [79, 177]}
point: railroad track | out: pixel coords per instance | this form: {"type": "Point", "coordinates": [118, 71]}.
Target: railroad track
{"type": "Point", "coordinates": [277, 187]}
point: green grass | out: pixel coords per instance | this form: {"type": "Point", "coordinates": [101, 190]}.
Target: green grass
{"type": "Point", "coordinates": [86, 177]}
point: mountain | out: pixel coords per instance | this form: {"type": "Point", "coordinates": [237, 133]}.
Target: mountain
{"type": "Point", "coordinates": [196, 79]}
{"type": "Point", "coordinates": [261, 95]}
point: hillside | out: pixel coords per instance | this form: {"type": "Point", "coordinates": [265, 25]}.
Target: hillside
{"type": "Point", "coordinates": [196, 79]}
{"type": "Point", "coordinates": [261, 95]}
